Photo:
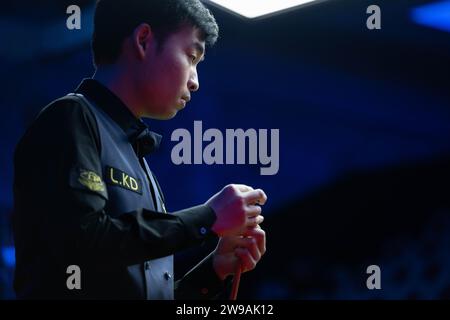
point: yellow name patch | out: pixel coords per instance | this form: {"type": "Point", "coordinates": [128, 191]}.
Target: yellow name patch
{"type": "Point", "coordinates": [91, 180]}
{"type": "Point", "coordinates": [119, 178]}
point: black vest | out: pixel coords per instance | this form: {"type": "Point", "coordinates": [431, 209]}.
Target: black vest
{"type": "Point", "coordinates": [129, 183]}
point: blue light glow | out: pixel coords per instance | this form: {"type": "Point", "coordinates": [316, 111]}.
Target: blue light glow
{"type": "Point", "coordinates": [9, 257]}
{"type": "Point", "coordinates": [435, 15]}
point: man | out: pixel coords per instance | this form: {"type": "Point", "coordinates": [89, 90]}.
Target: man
{"type": "Point", "coordinates": [85, 197]}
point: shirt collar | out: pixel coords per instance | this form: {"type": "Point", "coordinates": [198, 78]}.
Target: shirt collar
{"type": "Point", "coordinates": [142, 139]}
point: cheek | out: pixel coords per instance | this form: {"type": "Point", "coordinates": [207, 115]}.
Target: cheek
{"type": "Point", "coordinates": [166, 82]}
{"type": "Point", "coordinates": [179, 71]}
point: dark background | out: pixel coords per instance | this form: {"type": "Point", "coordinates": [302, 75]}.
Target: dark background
{"type": "Point", "coordinates": [364, 119]}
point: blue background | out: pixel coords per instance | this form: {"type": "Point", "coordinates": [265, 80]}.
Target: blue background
{"type": "Point", "coordinates": [364, 120]}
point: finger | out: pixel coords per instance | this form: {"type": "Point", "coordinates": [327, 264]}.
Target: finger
{"type": "Point", "coordinates": [256, 196]}
{"type": "Point", "coordinates": [247, 261]}
{"type": "Point", "coordinates": [252, 222]}
{"type": "Point", "coordinates": [230, 243]}
{"type": "Point", "coordinates": [260, 237]}
{"type": "Point", "coordinates": [243, 187]}
{"type": "Point", "coordinates": [241, 242]}
{"type": "Point", "coordinates": [253, 211]}
{"type": "Point", "coordinates": [252, 247]}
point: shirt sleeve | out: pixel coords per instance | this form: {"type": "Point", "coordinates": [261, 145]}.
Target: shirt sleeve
{"type": "Point", "coordinates": [202, 283]}
{"type": "Point", "coordinates": [70, 216]}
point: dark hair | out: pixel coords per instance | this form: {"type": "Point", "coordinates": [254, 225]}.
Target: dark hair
{"type": "Point", "coordinates": [114, 20]}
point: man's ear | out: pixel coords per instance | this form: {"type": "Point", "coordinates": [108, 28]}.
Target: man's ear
{"type": "Point", "coordinates": [142, 39]}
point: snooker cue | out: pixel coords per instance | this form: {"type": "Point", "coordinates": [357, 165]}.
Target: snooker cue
{"type": "Point", "coordinates": [236, 280]}
{"type": "Point", "coordinates": [237, 277]}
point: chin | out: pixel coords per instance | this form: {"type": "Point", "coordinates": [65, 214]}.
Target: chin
{"type": "Point", "coordinates": [167, 116]}
{"type": "Point", "coordinates": [171, 116]}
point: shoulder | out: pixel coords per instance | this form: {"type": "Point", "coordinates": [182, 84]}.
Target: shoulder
{"type": "Point", "coordinates": [66, 120]}
{"type": "Point", "coordinates": [65, 111]}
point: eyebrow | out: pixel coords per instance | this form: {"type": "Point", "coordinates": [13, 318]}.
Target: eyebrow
{"type": "Point", "coordinates": [200, 49]}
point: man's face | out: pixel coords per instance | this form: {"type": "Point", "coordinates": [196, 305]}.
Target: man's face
{"type": "Point", "coordinates": [168, 74]}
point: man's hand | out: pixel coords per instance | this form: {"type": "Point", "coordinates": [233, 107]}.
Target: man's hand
{"type": "Point", "coordinates": [236, 209]}
{"type": "Point", "coordinates": [246, 250]}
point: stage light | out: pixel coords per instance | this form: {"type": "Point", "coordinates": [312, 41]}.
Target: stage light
{"type": "Point", "coordinates": [434, 15]}
{"type": "Point", "coordinates": [257, 8]}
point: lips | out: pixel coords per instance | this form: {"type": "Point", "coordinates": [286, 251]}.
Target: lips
{"type": "Point", "coordinates": [185, 100]}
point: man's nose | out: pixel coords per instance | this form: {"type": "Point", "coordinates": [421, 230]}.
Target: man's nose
{"type": "Point", "coordinates": [193, 83]}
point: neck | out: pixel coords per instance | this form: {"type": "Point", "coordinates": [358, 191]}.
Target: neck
{"type": "Point", "coordinates": [120, 84]}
